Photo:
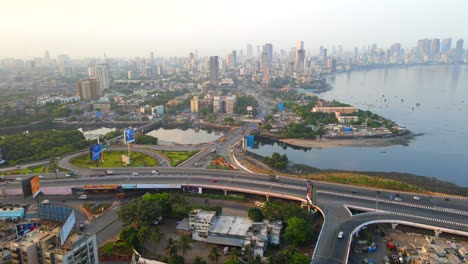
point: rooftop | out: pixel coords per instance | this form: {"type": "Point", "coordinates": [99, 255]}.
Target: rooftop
{"type": "Point", "coordinates": [231, 226]}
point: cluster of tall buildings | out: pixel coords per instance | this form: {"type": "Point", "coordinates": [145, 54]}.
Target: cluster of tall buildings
{"type": "Point", "coordinates": [94, 86]}
{"type": "Point", "coordinates": [215, 104]}
{"type": "Point", "coordinates": [430, 49]}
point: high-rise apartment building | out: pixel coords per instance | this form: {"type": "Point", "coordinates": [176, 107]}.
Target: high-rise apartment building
{"type": "Point", "coordinates": [249, 51]}
{"type": "Point", "coordinates": [325, 56]}
{"type": "Point", "coordinates": [87, 89]}
{"type": "Point", "coordinates": [435, 47]}
{"type": "Point", "coordinates": [101, 74]}
{"type": "Point", "coordinates": [300, 56]}
{"type": "Point", "coordinates": [268, 50]}
{"type": "Point", "coordinates": [40, 246]}
{"type": "Point", "coordinates": [446, 46]}
{"type": "Point", "coordinates": [214, 69]}
{"type": "Point", "coordinates": [46, 60]}
{"type": "Point", "coordinates": [459, 50]}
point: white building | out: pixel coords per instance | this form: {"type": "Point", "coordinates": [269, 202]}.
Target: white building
{"type": "Point", "coordinates": [234, 230]}
{"type": "Point", "coordinates": [158, 110]}
{"type": "Point", "coordinates": [42, 100]}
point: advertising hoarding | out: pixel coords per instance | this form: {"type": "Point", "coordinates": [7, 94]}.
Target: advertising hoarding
{"type": "Point", "coordinates": [95, 152]}
{"type": "Point", "coordinates": [100, 187]}
{"type": "Point", "coordinates": [2, 155]}
{"type": "Point", "coordinates": [67, 227]}
{"type": "Point", "coordinates": [129, 135]}
{"type": "Point", "coordinates": [158, 186]}
{"type": "Point", "coordinates": [35, 187]}
{"type": "Point", "coordinates": [30, 186]}
{"type": "Point", "coordinates": [250, 140]}
{"type": "Point", "coordinates": [311, 194]}
{"type": "Point", "coordinates": [128, 186]}
{"type": "Point", "coordinates": [24, 228]}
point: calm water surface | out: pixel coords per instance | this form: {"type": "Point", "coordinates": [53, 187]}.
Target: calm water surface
{"type": "Point", "coordinates": [187, 136]}
{"type": "Point", "coordinates": [430, 100]}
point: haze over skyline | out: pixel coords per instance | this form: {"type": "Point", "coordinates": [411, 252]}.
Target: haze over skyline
{"type": "Point", "coordinates": [174, 28]}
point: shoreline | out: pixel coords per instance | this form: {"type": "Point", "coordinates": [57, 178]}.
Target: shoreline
{"type": "Point", "coordinates": [359, 142]}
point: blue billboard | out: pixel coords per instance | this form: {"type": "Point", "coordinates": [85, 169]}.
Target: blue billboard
{"type": "Point", "coordinates": [67, 227]}
{"type": "Point", "coordinates": [129, 135]}
{"type": "Point", "coordinates": [280, 106]}
{"type": "Point", "coordinates": [95, 152]}
{"type": "Point", "coordinates": [250, 140]}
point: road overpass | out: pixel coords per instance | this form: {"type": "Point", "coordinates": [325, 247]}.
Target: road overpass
{"type": "Point", "coordinates": [332, 201]}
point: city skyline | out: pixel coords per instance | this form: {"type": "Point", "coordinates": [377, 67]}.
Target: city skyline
{"type": "Point", "coordinates": [129, 29]}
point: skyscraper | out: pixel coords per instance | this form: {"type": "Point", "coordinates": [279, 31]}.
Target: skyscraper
{"type": "Point", "coordinates": [214, 68]}
{"type": "Point", "coordinates": [446, 46]}
{"type": "Point", "coordinates": [435, 47]}
{"type": "Point", "coordinates": [101, 74]}
{"type": "Point", "coordinates": [151, 57]}
{"type": "Point", "coordinates": [234, 58]}
{"type": "Point", "coordinates": [324, 59]}
{"type": "Point", "coordinates": [46, 58]}
{"type": "Point", "coordinates": [268, 49]}
{"type": "Point", "coordinates": [87, 89]}
{"type": "Point", "coordinates": [459, 50]}
{"type": "Point", "coordinates": [249, 51]}
{"type": "Point", "coordinates": [300, 56]}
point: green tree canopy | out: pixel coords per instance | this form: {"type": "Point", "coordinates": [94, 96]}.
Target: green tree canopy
{"type": "Point", "coordinates": [255, 214]}
{"type": "Point", "coordinates": [298, 231]}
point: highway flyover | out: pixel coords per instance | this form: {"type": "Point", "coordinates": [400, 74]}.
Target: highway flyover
{"type": "Point", "coordinates": [333, 199]}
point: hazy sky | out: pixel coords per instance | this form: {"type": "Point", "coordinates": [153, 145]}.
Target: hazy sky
{"type": "Point", "coordinates": [124, 28]}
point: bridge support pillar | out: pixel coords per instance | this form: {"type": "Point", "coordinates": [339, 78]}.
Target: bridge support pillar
{"type": "Point", "coordinates": [394, 226]}
{"type": "Point", "coordinates": [225, 192]}
{"type": "Point", "coordinates": [437, 233]}
{"type": "Point", "coordinates": [268, 198]}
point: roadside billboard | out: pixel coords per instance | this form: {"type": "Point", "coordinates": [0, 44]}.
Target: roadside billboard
{"type": "Point", "coordinates": [158, 186]}
{"type": "Point", "coordinates": [95, 152]}
{"type": "Point", "coordinates": [30, 186]}
{"type": "Point", "coordinates": [24, 228]}
{"type": "Point", "coordinates": [35, 187]}
{"type": "Point", "coordinates": [250, 140]}
{"type": "Point", "coordinates": [67, 227]}
{"type": "Point", "coordinates": [2, 155]}
{"type": "Point", "coordinates": [101, 187]}
{"type": "Point", "coordinates": [129, 135]}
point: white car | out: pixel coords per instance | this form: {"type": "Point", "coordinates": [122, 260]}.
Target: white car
{"type": "Point", "coordinates": [41, 176]}
{"type": "Point", "coordinates": [83, 197]}
{"type": "Point", "coordinates": [397, 199]}
{"type": "Point", "coordinates": [155, 172]}
{"type": "Point", "coordinates": [340, 234]}
{"type": "Point", "coordinates": [68, 175]}
{"type": "Point", "coordinates": [135, 173]}
{"type": "Point", "coordinates": [416, 198]}
{"type": "Point", "coordinates": [19, 179]}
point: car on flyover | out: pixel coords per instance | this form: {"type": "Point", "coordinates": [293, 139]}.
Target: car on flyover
{"type": "Point", "coordinates": [214, 180]}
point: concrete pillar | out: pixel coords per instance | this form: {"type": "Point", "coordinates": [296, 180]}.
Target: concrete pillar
{"type": "Point", "coordinates": [437, 233]}
{"type": "Point", "coordinates": [394, 226]}
{"type": "Point", "coordinates": [225, 192]}
{"type": "Point", "coordinates": [268, 198]}
{"type": "Point", "coordinates": [308, 208]}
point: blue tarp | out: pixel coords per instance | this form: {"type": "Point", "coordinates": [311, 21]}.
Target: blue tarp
{"type": "Point", "coordinates": [250, 140]}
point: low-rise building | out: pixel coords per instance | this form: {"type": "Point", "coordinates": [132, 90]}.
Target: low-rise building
{"type": "Point", "coordinates": [234, 230]}
{"type": "Point", "coordinates": [332, 110]}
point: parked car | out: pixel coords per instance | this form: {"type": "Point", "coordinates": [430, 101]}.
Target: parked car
{"type": "Point", "coordinates": [81, 226]}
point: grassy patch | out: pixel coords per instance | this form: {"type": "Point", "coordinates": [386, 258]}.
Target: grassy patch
{"type": "Point", "coordinates": [113, 159]}
{"type": "Point", "coordinates": [364, 180]}
{"type": "Point", "coordinates": [33, 170]}
{"type": "Point", "coordinates": [177, 157]}
{"type": "Point", "coordinates": [118, 248]}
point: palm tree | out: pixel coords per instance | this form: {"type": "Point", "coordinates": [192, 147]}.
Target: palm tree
{"type": "Point", "coordinates": [214, 255]}
{"type": "Point", "coordinates": [198, 260]}
{"type": "Point", "coordinates": [155, 236]}
{"type": "Point", "coordinates": [171, 248]}
{"type": "Point", "coordinates": [235, 253]}
{"type": "Point", "coordinates": [143, 235]}
{"type": "Point", "coordinates": [184, 244]}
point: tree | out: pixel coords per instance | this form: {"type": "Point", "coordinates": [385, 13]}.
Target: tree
{"type": "Point", "coordinates": [139, 212]}
{"type": "Point", "coordinates": [176, 259]}
{"type": "Point", "coordinates": [155, 236]}
{"type": "Point", "coordinates": [184, 244]}
{"type": "Point", "coordinates": [233, 261]}
{"type": "Point", "coordinates": [130, 236]}
{"type": "Point", "coordinates": [277, 161]}
{"type": "Point", "coordinates": [143, 235]}
{"type": "Point", "coordinates": [255, 214]}
{"type": "Point", "coordinates": [171, 248]}
{"type": "Point", "coordinates": [298, 258]}
{"type": "Point", "coordinates": [198, 260]}
{"type": "Point", "coordinates": [214, 255]}
{"type": "Point", "coordinates": [298, 231]}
